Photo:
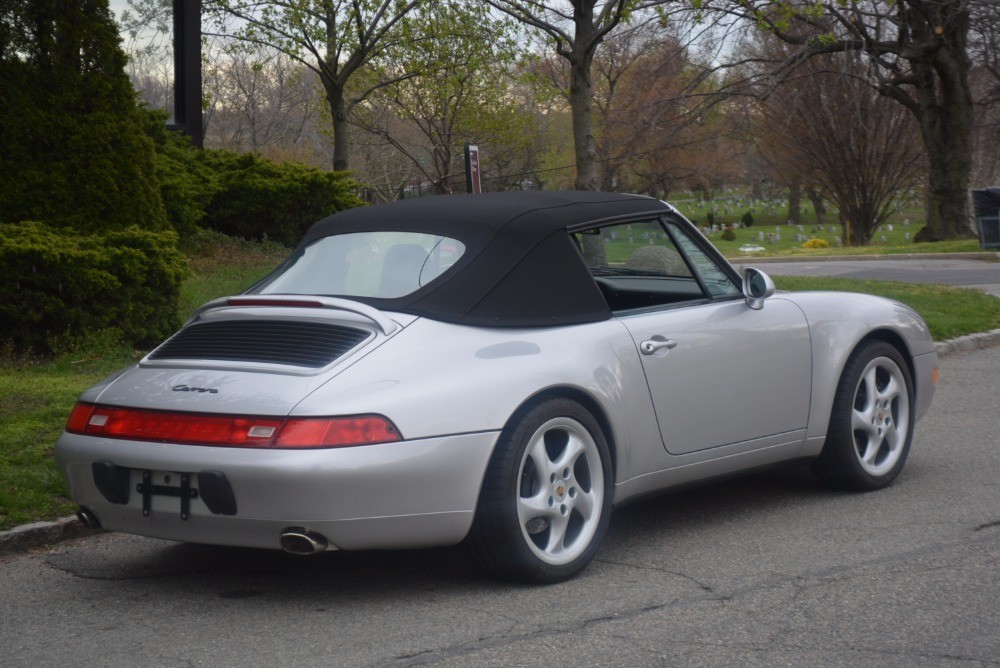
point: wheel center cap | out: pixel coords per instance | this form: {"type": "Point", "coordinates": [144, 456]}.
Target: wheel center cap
{"type": "Point", "coordinates": [560, 491]}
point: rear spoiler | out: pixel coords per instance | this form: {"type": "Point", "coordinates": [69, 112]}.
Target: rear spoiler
{"type": "Point", "coordinates": [386, 324]}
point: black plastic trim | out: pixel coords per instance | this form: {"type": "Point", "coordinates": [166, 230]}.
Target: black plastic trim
{"type": "Point", "coordinates": [113, 482]}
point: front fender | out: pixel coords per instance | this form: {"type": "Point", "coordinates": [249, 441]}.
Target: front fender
{"type": "Point", "coordinates": [838, 322]}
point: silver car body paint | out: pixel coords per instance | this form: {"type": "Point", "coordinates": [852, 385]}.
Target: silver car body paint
{"type": "Point", "coordinates": [411, 494]}
{"type": "Point", "coordinates": [450, 389]}
{"type": "Point", "coordinates": [722, 383]}
{"type": "Point", "coordinates": [838, 322]}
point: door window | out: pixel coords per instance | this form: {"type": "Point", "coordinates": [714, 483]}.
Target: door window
{"type": "Point", "coordinates": [651, 264]}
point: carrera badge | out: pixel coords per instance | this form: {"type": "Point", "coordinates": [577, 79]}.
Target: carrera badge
{"type": "Point", "coordinates": [199, 390]}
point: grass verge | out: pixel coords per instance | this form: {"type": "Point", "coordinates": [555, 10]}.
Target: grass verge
{"type": "Point", "coordinates": [35, 400]}
{"type": "Point", "coordinates": [223, 266]}
{"type": "Point", "coordinates": [731, 249]}
{"type": "Point", "coordinates": [948, 311]}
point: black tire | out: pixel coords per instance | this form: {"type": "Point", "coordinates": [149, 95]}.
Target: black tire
{"type": "Point", "coordinates": [545, 504]}
{"type": "Point", "coordinates": [871, 425]}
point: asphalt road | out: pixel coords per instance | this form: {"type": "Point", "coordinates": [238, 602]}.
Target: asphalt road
{"type": "Point", "coordinates": [767, 570]}
{"type": "Point", "coordinates": [957, 271]}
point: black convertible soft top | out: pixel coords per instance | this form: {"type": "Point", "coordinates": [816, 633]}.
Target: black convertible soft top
{"type": "Point", "coordinates": [519, 269]}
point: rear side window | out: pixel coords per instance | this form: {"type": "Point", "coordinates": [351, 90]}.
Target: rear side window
{"type": "Point", "coordinates": [382, 265]}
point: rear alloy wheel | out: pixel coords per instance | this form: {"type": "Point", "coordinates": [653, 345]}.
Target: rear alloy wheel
{"type": "Point", "coordinates": [872, 421]}
{"type": "Point", "coordinates": [546, 500]}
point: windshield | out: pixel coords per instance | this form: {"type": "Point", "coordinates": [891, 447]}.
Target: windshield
{"type": "Point", "coordinates": [384, 265]}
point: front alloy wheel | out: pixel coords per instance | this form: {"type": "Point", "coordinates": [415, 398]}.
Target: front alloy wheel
{"type": "Point", "coordinates": [871, 424]}
{"type": "Point", "coordinates": [880, 418]}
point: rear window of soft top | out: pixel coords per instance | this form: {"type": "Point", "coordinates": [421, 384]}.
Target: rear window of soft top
{"type": "Point", "coordinates": [382, 265]}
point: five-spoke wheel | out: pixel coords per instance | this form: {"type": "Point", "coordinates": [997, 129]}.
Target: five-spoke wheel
{"type": "Point", "coordinates": [872, 421]}
{"type": "Point", "coordinates": [881, 416]}
{"type": "Point", "coordinates": [546, 500]}
{"type": "Point", "coordinates": [560, 491]}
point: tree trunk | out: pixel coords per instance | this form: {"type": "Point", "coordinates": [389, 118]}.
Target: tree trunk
{"type": "Point", "coordinates": [944, 112]}
{"type": "Point", "coordinates": [584, 146]}
{"type": "Point", "coordinates": [587, 173]}
{"type": "Point", "coordinates": [949, 157]}
{"type": "Point", "coordinates": [341, 131]}
{"type": "Point", "coordinates": [845, 227]}
{"type": "Point", "coordinates": [795, 203]}
{"type": "Point", "coordinates": [442, 164]}
{"type": "Point", "coordinates": [819, 207]}
{"type": "Point", "coordinates": [857, 216]}
{"type": "Point", "coordinates": [581, 94]}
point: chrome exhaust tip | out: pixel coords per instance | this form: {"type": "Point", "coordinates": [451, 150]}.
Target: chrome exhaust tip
{"type": "Point", "coordinates": [88, 518]}
{"type": "Point", "coordinates": [298, 540]}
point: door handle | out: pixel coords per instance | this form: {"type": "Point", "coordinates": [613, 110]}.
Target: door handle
{"type": "Point", "coordinates": [650, 346]}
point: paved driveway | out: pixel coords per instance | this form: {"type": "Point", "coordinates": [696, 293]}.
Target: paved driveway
{"type": "Point", "coordinates": [772, 569]}
{"type": "Point", "coordinates": [963, 272]}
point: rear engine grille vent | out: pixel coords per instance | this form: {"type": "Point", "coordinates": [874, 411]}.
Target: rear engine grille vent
{"type": "Point", "coordinates": [303, 344]}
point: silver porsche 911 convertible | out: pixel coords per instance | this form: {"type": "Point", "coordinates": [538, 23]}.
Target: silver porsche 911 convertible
{"type": "Point", "coordinates": [499, 368]}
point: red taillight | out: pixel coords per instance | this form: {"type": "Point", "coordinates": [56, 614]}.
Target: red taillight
{"type": "Point", "coordinates": [335, 432]}
{"type": "Point", "coordinates": [78, 418]}
{"type": "Point", "coordinates": [228, 430]}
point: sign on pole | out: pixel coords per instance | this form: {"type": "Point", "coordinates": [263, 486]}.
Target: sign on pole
{"type": "Point", "coordinates": [472, 182]}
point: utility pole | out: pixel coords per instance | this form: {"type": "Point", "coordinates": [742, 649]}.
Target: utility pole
{"type": "Point", "coordinates": [187, 70]}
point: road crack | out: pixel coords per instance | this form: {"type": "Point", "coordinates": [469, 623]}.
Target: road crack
{"type": "Point", "coordinates": [988, 525]}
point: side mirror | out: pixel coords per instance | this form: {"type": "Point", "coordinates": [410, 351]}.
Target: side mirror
{"type": "Point", "coordinates": [757, 286]}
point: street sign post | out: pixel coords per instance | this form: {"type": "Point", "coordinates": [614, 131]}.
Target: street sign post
{"type": "Point", "coordinates": [473, 184]}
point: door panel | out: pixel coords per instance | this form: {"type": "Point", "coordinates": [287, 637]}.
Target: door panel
{"type": "Point", "coordinates": [722, 373]}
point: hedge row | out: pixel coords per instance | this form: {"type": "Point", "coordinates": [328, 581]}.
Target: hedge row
{"type": "Point", "coordinates": [243, 195]}
{"type": "Point", "coordinates": [258, 198]}
{"type": "Point", "coordinates": [61, 284]}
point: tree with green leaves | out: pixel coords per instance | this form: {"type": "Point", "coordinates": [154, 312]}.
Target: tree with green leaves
{"type": "Point", "coordinates": [460, 57]}
{"type": "Point", "coordinates": [576, 32]}
{"type": "Point", "coordinates": [72, 148]}
{"type": "Point", "coordinates": [334, 38]}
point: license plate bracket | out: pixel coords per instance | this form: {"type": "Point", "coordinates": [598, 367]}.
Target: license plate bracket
{"type": "Point", "coordinates": [148, 490]}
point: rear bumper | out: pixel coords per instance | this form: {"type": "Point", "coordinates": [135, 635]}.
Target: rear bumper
{"type": "Point", "coordinates": [399, 495]}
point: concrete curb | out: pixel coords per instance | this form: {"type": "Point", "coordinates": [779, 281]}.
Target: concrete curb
{"type": "Point", "coordinates": [40, 534]}
{"type": "Point", "coordinates": [968, 344]}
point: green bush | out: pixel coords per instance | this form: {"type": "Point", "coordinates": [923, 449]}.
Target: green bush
{"type": "Point", "coordinates": [60, 286]}
{"type": "Point", "coordinates": [747, 219]}
{"type": "Point", "coordinates": [241, 195]}
{"type": "Point", "coordinates": [187, 184]}
{"type": "Point", "coordinates": [72, 148]}
{"type": "Point", "coordinates": [729, 234]}
{"type": "Point", "coordinates": [256, 198]}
